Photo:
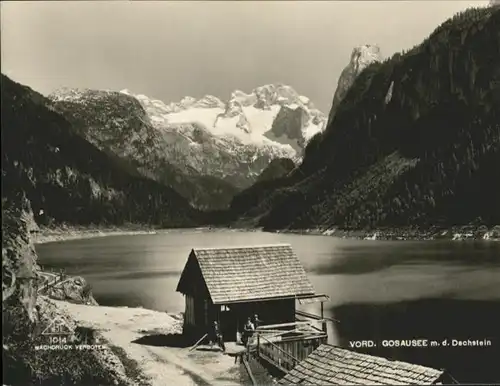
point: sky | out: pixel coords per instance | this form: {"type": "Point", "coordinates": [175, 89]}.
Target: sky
{"type": "Point", "coordinates": [168, 50]}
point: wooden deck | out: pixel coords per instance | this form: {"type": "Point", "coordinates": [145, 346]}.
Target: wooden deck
{"type": "Point", "coordinates": [279, 347]}
{"type": "Point", "coordinates": [233, 348]}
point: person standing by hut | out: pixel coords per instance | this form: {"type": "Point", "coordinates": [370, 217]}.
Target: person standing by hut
{"type": "Point", "coordinates": [256, 321]}
{"type": "Point", "coordinates": [248, 330]}
{"type": "Point", "coordinates": [217, 336]}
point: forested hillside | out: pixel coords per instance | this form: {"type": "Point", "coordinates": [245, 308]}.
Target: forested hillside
{"type": "Point", "coordinates": [415, 141]}
{"type": "Point", "coordinates": [69, 180]}
{"type": "Point", "coordinates": [277, 170]}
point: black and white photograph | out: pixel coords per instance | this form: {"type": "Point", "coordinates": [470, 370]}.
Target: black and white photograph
{"type": "Point", "coordinates": [250, 193]}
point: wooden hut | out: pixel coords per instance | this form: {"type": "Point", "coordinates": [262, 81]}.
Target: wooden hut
{"type": "Point", "coordinates": [231, 284]}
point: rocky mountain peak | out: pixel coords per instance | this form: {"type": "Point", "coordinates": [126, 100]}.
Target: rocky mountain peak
{"type": "Point", "coordinates": [86, 95]}
{"type": "Point", "coordinates": [67, 94]}
{"type": "Point", "coordinates": [209, 101]}
{"type": "Point", "coordinates": [264, 97]}
{"type": "Point", "coordinates": [361, 57]}
{"type": "Point", "coordinates": [276, 94]}
{"type": "Point", "coordinates": [233, 108]}
{"type": "Point", "coordinates": [187, 102]}
{"type": "Point", "coordinates": [243, 98]}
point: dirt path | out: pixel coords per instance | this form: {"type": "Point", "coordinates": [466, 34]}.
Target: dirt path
{"type": "Point", "coordinates": [159, 364]}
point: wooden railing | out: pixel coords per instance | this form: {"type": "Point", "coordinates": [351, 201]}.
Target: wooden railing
{"type": "Point", "coordinates": [51, 279]}
{"type": "Point", "coordinates": [315, 317]}
{"type": "Point", "coordinates": [275, 355]}
{"type": "Point", "coordinates": [249, 371]}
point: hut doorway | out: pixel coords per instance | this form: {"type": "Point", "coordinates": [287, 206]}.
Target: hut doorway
{"type": "Point", "coordinates": [229, 323]}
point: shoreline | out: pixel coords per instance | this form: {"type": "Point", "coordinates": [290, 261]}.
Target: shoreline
{"type": "Point", "coordinates": [455, 233]}
{"type": "Point", "coordinates": [46, 235]}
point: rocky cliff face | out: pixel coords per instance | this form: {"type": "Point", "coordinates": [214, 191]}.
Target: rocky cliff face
{"type": "Point", "coordinates": [361, 57]}
{"type": "Point", "coordinates": [415, 142]}
{"type": "Point", "coordinates": [287, 127]}
{"type": "Point", "coordinates": [18, 259]}
{"type": "Point", "coordinates": [110, 121]}
{"type": "Point", "coordinates": [235, 140]}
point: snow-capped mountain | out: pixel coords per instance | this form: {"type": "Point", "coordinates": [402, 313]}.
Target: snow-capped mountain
{"type": "Point", "coordinates": [259, 119]}
{"type": "Point", "coordinates": [361, 57]}
{"type": "Point", "coordinates": [231, 141]}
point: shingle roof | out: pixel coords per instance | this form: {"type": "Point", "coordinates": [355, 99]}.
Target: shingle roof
{"type": "Point", "coordinates": [330, 365]}
{"type": "Point", "coordinates": [252, 273]}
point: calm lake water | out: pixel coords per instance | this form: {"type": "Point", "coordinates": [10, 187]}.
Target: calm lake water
{"type": "Point", "coordinates": [379, 290]}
